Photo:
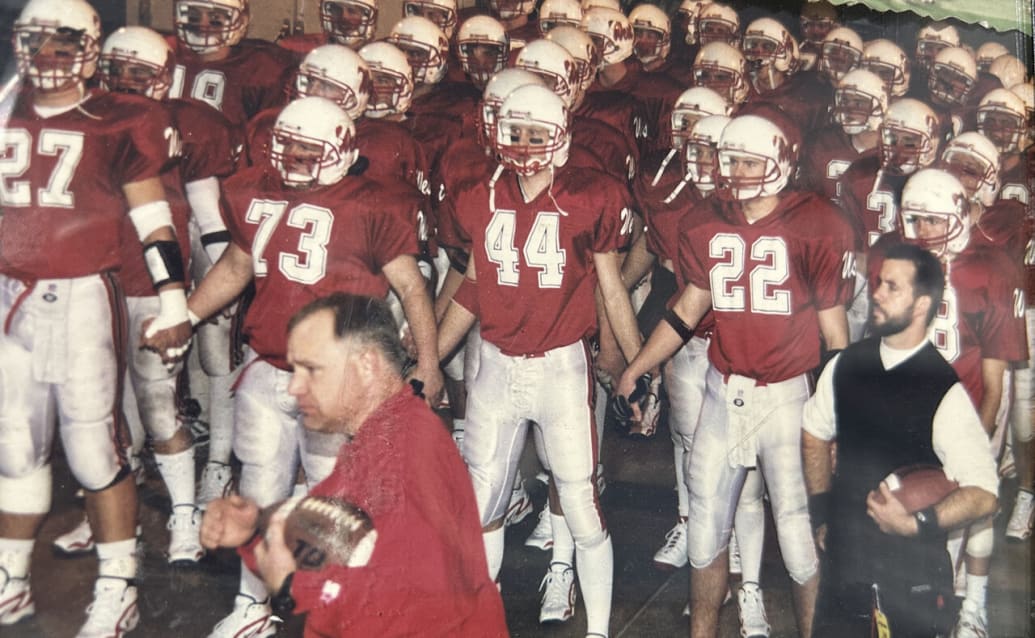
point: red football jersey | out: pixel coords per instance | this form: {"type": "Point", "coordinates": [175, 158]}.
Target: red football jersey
{"type": "Point", "coordinates": [768, 280]}
{"type": "Point", "coordinates": [434, 132]}
{"type": "Point", "coordinates": [827, 155]}
{"type": "Point", "coordinates": [620, 112]}
{"type": "Point", "coordinates": [393, 152]}
{"type": "Point", "coordinates": [1007, 227]}
{"type": "Point", "coordinates": [453, 99]}
{"type": "Point", "coordinates": [62, 199]}
{"type": "Point", "coordinates": [466, 162]}
{"type": "Point", "coordinates": [535, 259]}
{"type": "Point", "coordinates": [656, 91]}
{"type": "Point", "coordinates": [608, 144]}
{"type": "Point", "coordinates": [804, 98]}
{"type": "Point", "coordinates": [1017, 180]}
{"type": "Point", "coordinates": [309, 243]}
{"type": "Point", "coordinates": [206, 151]}
{"type": "Point", "coordinates": [981, 315]}
{"type": "Point", "coordinates": [255, 76]}
{"type": "Point", "coordinates": [663, 194]}
{"type": "Point", "coordinates": [870, 200]}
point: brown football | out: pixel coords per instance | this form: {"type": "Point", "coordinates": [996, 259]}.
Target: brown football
{"type": "Point", "coordinates": [322, 531]}
{"type": "Point", "coordinates": [919, 486]}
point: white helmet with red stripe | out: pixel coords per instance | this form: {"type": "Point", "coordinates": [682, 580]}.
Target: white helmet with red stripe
{"type": "Point", "coordinates": [718, 23]}
{"type": "Point", "coordinates": [338, 73]}
{"type": "Point", "coordinates": [952, 76]}
{"type": "Point", "coordinates": [750, 138]}
{"type": "Point", "coordinates": [533, 130]}
{"type": "Point", "coordinates": [767, 43]}
{"type": "Point", "coordinates": [441, 12]}
{"type": "Point", "coordinates": [652, 33]}
{"type": "Point", "coordinates": [860, 101]}
{"type": "Point", "coordinates": [349, 22]}
{"type": "Point", "coordinates": [72, 24]}
{"type": "Point", "coordinates": [313, 143]}
{"type": "Point", "coordinates": [1002, 118]}
{"type": "Point", "coordinates": [889, 62]}
{"type": "Point", "coordinates": [137, 60]}
{"type": "Point", "coordinates": [391, 79]}
{"type": "Point", "coordinates": [482, 45]}
{"type": "Point", "coordinates": [935, 212]}
{"type": "Point", "coordinates": [841, 52]}
{"type": "Point", "coordinates": [611, 31]}
{"type": "Point", "coordinates": [425, 46]}
{"type": "Point", "coordinates": [974, 160]}
{"type": "Point", "coordinates": [686, 19]}
{"type": "Point", "coordinates": [554, 64]}
{"type": "Point", "coordinates": [722, 68]}
{"type": "Point", "coordinates": [931, 39]}
{"type": "Point", "coordinates": [692, 105]}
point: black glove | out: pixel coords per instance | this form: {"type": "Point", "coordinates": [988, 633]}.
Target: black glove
{"type": "Point", "coordinates": [622, 406]}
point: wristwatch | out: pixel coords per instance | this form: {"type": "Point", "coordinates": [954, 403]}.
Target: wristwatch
{"type": "Point", "coordinates": [282, 603]}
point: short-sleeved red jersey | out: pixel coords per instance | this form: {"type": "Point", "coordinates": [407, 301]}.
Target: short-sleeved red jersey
{"type": "Point", "coordinates": [768, 280]}
{"type": "Point", "coordinates": [1009, 227]}
{"type": "Point", "coordinates": [622, 113]}
{"type": "Point", "coordinates": [62, 199]}
{"type": "Point", "coordinates": [312, 242]}
{"type": "Point", "coordinates": [608, 144]}
{"type": "Point", "coordinates": [871, 201]}
{"type": "Point", "coordinates": [804, 98]}
{"type": "Point", "coordinates": [535, 259]}
{"type": "Point", "coordinates": [1018, 179]}
{"type": "Point", "coordinates": [663, 194]}
{"type": "Point", "coordinates": [828, 154]}
{"type": "Point", "coordinates": [255, 76]}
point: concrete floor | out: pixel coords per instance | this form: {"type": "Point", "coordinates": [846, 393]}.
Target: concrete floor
{"type": "Point", "coordinates": [640, 507]}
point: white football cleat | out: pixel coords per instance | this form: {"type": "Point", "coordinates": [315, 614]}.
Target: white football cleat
{"type": "Point", "coordinates": [15, 599]}
{"type": "Point", "coordinates": [249, 619]}
{"type": "Point", "coordinates": [972, 623]}
{"type": "Point", "coordinates": [519, 508]}
{"type": "Point", "coordinates": [1019, 526]}
{"type": "Point", "coordinates": [542, 536]}
{"type": "Point", "coordinates": [184, 535]}
{"type": "Point", "coordinates": [113, 611]}
{"type": "Point", "coordinates": [673, 554]}
{"type": "Point", "coordinates": [558, 589]}
{"type": "Point", "coordinates": [215, 483]}
{"type": "Point", "coordinates": [753, 621]}
{"type": "Point", "coordinates": [76, 542]}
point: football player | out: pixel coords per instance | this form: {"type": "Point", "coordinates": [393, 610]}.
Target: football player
{"type": "Point", "coordinates": [517, 18]}
{"type": "Point", "coordinates": [889, 62]}
{"type": "Point", "coordinates": [950, 82]}
{"type": "Point", "coordinates": [751, 413]}
{"type": "Point", "coordinates": [138, 60]}
{"type": "Point", "coordinates": [818, 19]}
{"type": "Point", "coordinates": [483, 48]}
{"type": "Point", "coordinates": [721, 67]}
{"type": "Point", "coordinates": [350, 23]}
{"type": "Point", "coordinates": [685, 34]}
{"type": "Point", "coordinates": [83, 162]}
{"type": "Point", "coordinates": [930, 40]}
{"type": "Point", "coordinates": [662, 78]}
{"type": "Point", "coordinates": [718, 22]}
{"type": "Point", "coordinates": [979, 326]}
{"type": "Point", "coordinates": [536, 307]}
{"type": "Point", "coordinates": [841, 52]}
{"type": "Point", "coordinates": [301, 228]}
{"type": "Point", "coordinates": [1003, 118]}
{"type": "Point", "coordinates": [558, 13]}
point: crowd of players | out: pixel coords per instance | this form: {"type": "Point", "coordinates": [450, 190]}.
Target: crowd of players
{"type": "Point", "coordinates": [516, 181]}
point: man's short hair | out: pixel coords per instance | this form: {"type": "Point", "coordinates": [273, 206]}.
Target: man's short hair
{"type": "Point", "coordinates": [357, 317]}
{"type": "Point", "coordinates": [929, 279]}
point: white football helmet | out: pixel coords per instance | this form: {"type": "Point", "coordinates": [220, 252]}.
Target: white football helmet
{"type": "Point", "coordinates": [974, 160]}
{"type": "Point", "coordinates": [338, 73]}
{"type": "Point", "coordinates": [391, 79]}
{"type": "Point", "coordinates": [952, 76]}
{"type": "Point", "coordinates": [652, 33]}
{"type": "Point", "coordinates": [581, 48]}
{"type": "Point", "coordinates": [691, 106]}
{"type": "Point", "coordinates": [818, 19]}
{"type": "Point", "coordinates": [137, 60]}
{"type": "Point", "coordinates": [1026, 91]}
{"type": "Point", "coordinates": [555, 13]}
{"type": "Point", "coordinates": [441, 12]}
{"type": "Point", "coordinates": [606, 4]}
{"type": "Point", "coordinates": [935, 213]}
{"type": "Point", "coordinates": [510, 9]}
{"type": "Point", "coordinates": [482, 45]}
{"type": "Point", "coordinates": [908, 137]}
{"type": "Point", "coordinates": [686, 19]}
{"type": "Point", "coordinates": [767, 43]}
{"type": "Point", "coordinates": [57, 43]}
{"type": "Point", "coordinates": [753, 139]}
{"type": "Point", "coordinates": [718, 23]}
{"type": "Point", "coordinates": [349, 22]}
{"type": "Point", "coordinates": [987, 53]}
{"type": "Point", "coordinates": [933, 38]}
{"type": "Point", "coordinates": [425, 46]}
{"type": "Point", "coordinates": [546, 124]}
{"type": "Point", "coordinates": [313, 143]}
{"type": "Point", "coordinates": [206, 26]}
{"type": "Point", "coordinates": [612, 33]}
{"type": "Point", "coordinates": [722, 68]}
{"type": "Point", "coordinates": [498, 88]}
{"type": "Point", "coordinates": [860, 101]}
{"type": "Point", "coordinates": [841, 52]}
{"type": "Point", "coordinates": [889, 62]}
{"type": "Point", "coordinates": [1009, 69]}
{"type": "Point", "coordinates": [554, 65]}
{"type": "Point", "coordinates": [1002, 118]}
{"type": "Point", "coordinates": [700, 157]}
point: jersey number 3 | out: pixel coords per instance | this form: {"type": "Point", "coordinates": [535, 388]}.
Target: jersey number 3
{"type": "Point", "coordinates": [542, 249]}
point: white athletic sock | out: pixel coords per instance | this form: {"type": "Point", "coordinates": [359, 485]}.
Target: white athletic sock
{"type": "Point", "coordinates": [594, 567]}
{"type": "Point", "coordinates": [220, 418]}
{"type": "Point", "coordinates": [252, 585]}
{"type": "Point", "coordinates": [118, 559]}
{"type": "Point", "coordinates": [977, 590]}
{"type": "Point", "coordinates": [749, 521]}
{"type": "Point", "coordinates": [16, 555]}
{"type": "Point", "coordinates": [563, 543]}
{"type": "Point", "coordinates": [177, 471]}
{"type": "Point", "coordinates": [494, 551]}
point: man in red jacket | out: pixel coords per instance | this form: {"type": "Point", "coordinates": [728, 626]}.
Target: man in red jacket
{"type": "Point", "coordinates": [427, 573]}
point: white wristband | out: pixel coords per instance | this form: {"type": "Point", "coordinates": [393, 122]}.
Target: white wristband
{"type": "Point", "coordinates": [149, 217]}
{"type": "Point", "coordinates": [194, 319]}
{"type": "Point", "coordinates": [174, 305]}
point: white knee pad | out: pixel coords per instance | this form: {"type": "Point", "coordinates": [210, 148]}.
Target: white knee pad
{"type": "Point", "coordinates": [92, 453]}
{"type": "Point", "coordinates": [27, 494]}
{"type": "Point", "coordinates": [214, 346]}
{"type": "Point", "coordinates": [156, 405]}
{"type": "Point", "coordinates": [18, 454]}
{"type": "Point", "coordinates": [981, 540]}
{"type": "Point", "coordinates": [581, 511]}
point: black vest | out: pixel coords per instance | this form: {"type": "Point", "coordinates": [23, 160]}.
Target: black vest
{"type": "Point", "coordinates": [884, 422]}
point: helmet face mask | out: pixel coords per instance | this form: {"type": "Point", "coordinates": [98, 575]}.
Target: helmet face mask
{"type": "Point", "coordinates": [840, 53]}
{"type": "Point", "coordinates": [348, 22]}
{"type": "Point", "coordinates": [482, 47]}
{"type": "Point", "coordinates": [857, 112]}
{"type": "Point", "coordinates": [498, 89]}
{"type": "Point", "coordinates": [1002, 119]}
{"type": "Point", "coordinates": [207, 26]}
{"type": "Point", "coordinates": [755, 159]}
{"type": "Point", "coordinates": [699, 156]}
{"type": "Point", "coordinates": [718, 23]}
{"type": "Point", "coordinates": [768, 46]}
{"type": "Point", "coordinates": [532, 131]}
{"type": "Point", "coordinates": [889, 62]}
{"type": "Point", "coordinates": [690, 107]}
{"type": "Point", "coordinates": [723, 69]}
{"type": "Point", "coordinates": [935, 213]}
{"type": "Point", "coordinates": [338, 74]}
{"type": "Point", "coordinates": [652, 33]}
{"type": "Point", "coordinates": [440, 12]}
{"type": "Point", "coordinates": [901, 150]}
{"type": "Point", "coordinates": [425, 47]}
{"type": "Point", "coordinates": [57, 45]}
{"type": "Point", "coordinates": [973, 159]}
{"type": "Point", "coordinates": [391, 81]}
{"type": "Point", "coordinates": [122, 74]}
{"type": "Point", "coordinates": [511, 9]}
{"type": "Point", "coordinates": [948, 85]}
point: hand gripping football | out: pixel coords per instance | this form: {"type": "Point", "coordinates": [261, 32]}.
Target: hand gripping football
{"type": "Point", "coordinates": [322, 531]}
{"type": "Point", "coordinates": [919, 486]}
